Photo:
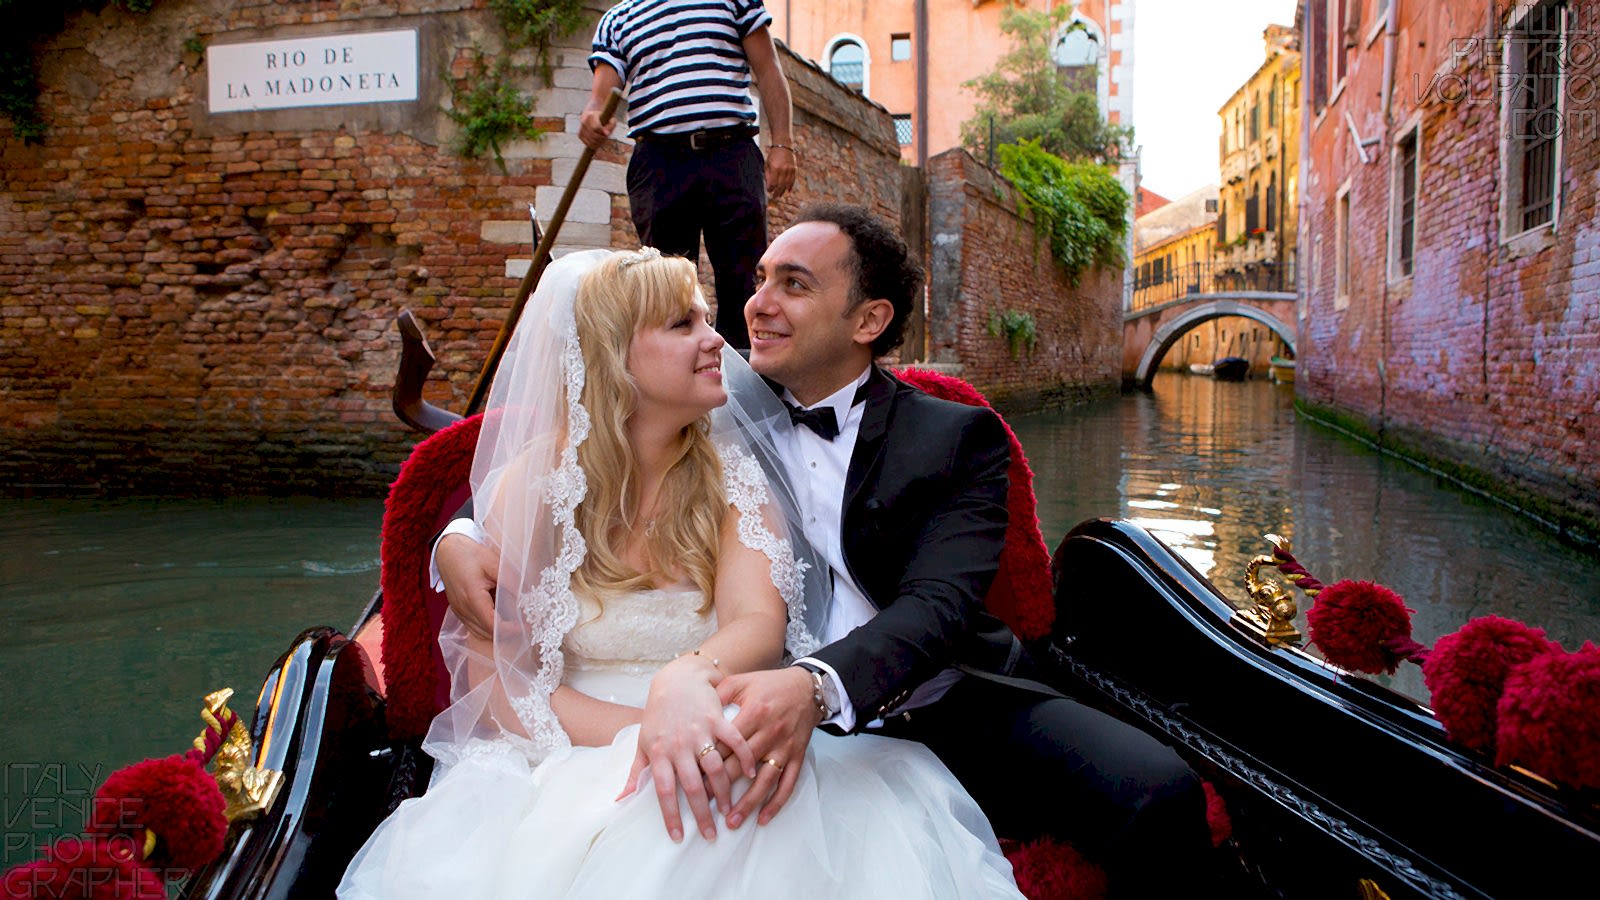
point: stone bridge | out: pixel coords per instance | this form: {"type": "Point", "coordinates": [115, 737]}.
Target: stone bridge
{"type": "Point", "coordinates": [1149, 332]}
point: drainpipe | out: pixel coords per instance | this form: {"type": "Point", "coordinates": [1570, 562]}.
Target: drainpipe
{"type": "Point", "coordinates": [919, 116]}
{"type": "Point", "coordinates": [788, 24]}
{"type": "Point", "coordinates": [1391, 38]}
{"type": "Point", "coordinates": [1391, 33]}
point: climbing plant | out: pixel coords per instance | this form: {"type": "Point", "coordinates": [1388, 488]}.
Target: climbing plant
{"type": "Point", "coordinates": [487, 105]}
{"type": "Point", "coordinates": [1018, 328]}
{"type": "Point", "coordinates": [1081, 206]}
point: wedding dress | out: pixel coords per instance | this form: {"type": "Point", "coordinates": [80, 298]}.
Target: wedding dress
{"type": "Point", "coordinates": [870, 817]}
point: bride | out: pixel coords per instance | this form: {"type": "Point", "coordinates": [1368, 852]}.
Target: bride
{"type": "Point", "coordinates": [646, 553]}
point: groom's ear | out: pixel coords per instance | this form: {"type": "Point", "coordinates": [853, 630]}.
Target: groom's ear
{"type": "Point", "coordinates": [872, 317]}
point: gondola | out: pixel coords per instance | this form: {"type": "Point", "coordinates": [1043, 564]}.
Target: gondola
{"type": "Point", "coordinates": [1230, 368]}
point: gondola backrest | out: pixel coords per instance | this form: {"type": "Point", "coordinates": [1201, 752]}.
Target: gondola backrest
{"type": "Point", "coordinates": [433, 484]}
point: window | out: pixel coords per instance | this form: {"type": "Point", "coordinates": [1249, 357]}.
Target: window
{"type": "Point", "coordinates": [1340, 49]}
{"type": "Point", "coordinates": [1255, 120]}
{"type": "Point", "coordinates": [1252, 210]}
{"type": "Point", "coordinates": [899, 47]}
{"type": "Point", "coordinates": [1222, 223]}
{"type": "Point", "coordinates": [1272, 103]}
{"type": "Point", "coordinates": [1341, 247]}
{"type": "Point", "coordinates": [1077, 47]}
{"type": "Point", "coordinates": [847, 63]}
{"type": "Point", "coordinates": [902, 129]}
{"type": "Point", "coordinates": [1211, 204]}
{"type": "Point", "coordinates": [1532, 116]}
{"type": "Point", "coordinates": [1272, 202]}
{"type": "Point", "coordinates": [1404, 228]}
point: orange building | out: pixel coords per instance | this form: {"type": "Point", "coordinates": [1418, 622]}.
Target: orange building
{"type": "Point", "coordinates": [913, 56]}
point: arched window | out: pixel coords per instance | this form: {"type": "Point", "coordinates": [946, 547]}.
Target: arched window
{"type": "Point", "coordinates": [847, 62]}
{"type": "Point", "coordinates": [1077, 48]}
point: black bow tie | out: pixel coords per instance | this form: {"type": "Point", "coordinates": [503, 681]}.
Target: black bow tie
{"type": "Point", "coordinates": [821, 420]}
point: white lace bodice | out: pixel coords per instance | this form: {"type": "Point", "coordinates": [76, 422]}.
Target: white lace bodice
{"type": "Point", "coordinates": [638, 632]}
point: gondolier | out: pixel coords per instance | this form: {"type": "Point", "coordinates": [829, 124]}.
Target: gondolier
{"type": "Point", "coordinates": [696, 168]}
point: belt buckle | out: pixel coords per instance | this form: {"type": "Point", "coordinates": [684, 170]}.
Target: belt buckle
{"type": "Point", "coordinates": [699, 140]}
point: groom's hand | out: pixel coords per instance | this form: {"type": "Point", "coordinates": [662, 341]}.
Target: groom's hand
{"type": "Point", "coordinates": [776, 715]}
{"type": "Point", "coordinates": [678, 739]}
{"type": "Point", "coordinates": [469, 570]}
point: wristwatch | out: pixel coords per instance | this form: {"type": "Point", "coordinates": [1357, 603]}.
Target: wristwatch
{"type": "Point", "coordinates": [823, 690]}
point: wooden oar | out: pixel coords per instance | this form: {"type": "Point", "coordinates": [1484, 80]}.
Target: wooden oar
{"type": "Point", "coordinates": [417, 359]}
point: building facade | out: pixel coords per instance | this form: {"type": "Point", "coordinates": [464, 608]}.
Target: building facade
{"type": "Point", "coordinates": [1451, 300]}
{"type": "Point", "coordinates": [914, 56]}
{"type": "Point", "coordinates": [1259, 166]}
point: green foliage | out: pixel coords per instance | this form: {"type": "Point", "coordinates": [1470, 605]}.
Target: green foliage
{"type": "Point", "coordinates": [490, 111]}
{"type": "Point", "coordinates": [535, 23]}
{"type": "Point", "coordinates": [1018, 328]}
{"type": "Point", "coordinates": [487, 105]}
{"type": "Point", "coordinates": [1028, 97]}
{"type": "Point", "coordinates": [1082, 205]}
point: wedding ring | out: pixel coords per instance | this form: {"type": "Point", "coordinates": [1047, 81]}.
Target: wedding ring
{"type": "Point", "coordinates": [704, 750]}
{"type": "Point", "coordinates": [773, 763]}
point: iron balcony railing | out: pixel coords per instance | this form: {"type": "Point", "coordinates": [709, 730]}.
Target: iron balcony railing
{"type": "Point", "coordinates": [1154, 285]}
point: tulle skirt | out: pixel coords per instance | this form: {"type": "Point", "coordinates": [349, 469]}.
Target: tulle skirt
{"type": "Point", "coordinates": [870, 817]}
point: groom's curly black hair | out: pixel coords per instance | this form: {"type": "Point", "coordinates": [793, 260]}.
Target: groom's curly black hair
{"type": "Point", "coordinates": [883, 265]}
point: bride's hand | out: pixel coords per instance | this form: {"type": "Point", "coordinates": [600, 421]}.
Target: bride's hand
{"type": "Point", "coordinates": [682, 719]}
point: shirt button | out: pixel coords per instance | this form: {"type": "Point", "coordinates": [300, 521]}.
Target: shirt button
{"type": "Point", "coordinates": [813, 465]}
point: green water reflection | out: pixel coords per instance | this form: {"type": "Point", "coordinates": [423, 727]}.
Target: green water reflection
{"type": "Point", "coordinates": [1210, 467]}
{"type": "Point", "coordinates": [120, 617]}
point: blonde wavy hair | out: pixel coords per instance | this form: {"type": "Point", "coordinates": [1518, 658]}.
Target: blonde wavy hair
{"type": "Point", "coordinates": [623, 295]}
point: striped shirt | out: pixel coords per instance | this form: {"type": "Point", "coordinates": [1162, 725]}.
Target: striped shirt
{"type": "Point", "coordinates": [682, 60]}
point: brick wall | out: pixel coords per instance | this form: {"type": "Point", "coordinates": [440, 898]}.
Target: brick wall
{"type": "Point", "coordinates": [1482, 362]}
{"type": "Point", "coordinates": [194, 303]}
{"type": "Point", "coordinates": [988, 257]}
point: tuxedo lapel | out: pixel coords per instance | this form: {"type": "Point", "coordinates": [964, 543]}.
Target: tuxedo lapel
{"type": "Point", "coordinates": [870, 438]}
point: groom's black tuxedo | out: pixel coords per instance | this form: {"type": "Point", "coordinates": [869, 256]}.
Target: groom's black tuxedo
{"type": "Point", "coordinates": [923, 524]}
{"type": "Point", "coordinates": [924, 521]}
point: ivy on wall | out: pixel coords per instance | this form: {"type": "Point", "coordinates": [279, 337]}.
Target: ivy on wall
{"type": "Point", "coordinates": [1082, 205]}
{"type": "Point", "coordinates": [487, 105]}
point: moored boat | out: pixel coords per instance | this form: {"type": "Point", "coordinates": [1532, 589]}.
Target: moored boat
{"type": "Point", "coordinates": [1281, 370]}
{"type": "Point", "coordinates": [1230, 368]}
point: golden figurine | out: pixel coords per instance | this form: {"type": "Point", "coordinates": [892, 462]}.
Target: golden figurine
{"type": "Point", "coordinates": [1272, 608]}
{"type": "Point", "coordinates": [247, 788]}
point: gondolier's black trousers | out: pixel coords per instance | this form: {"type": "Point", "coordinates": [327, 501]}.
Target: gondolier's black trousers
{"type": "Point", "coordinates": [678, 191]}
{"type": "Point", "coordinates": [1043, 764]}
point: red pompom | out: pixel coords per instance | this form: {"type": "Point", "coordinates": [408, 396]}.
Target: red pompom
{"type": "Point", "coordinates": [1466, 672]}
{"type": "Point", "coordinates": [1047, 869]}
{"type": "Point", "coordinates": [77, 869]}
{"type": "Point", "coordinates": [1549, 717]}
{"type": "Point", "coordinates": [175, 798]}
{"type": "Point", "coordinates": [1355, 624]}
{"type": "Point", "coordinates": [1217, 817]}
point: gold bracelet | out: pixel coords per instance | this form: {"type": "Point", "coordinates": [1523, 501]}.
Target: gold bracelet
{"type": "Point", "coordinates": [716, 663]}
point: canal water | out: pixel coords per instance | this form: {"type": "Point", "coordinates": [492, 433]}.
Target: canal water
{"type": "Point", "coordinates": [118, 617]}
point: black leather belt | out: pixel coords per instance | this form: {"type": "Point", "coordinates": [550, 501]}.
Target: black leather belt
{"type": "Point", "coordinates": [704, 139]}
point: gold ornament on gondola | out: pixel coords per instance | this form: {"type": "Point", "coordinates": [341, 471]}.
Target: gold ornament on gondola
{"type": "Point", "coordinates": [247, 788]}
{"type": "Point", "coordinates": [1272, 608]}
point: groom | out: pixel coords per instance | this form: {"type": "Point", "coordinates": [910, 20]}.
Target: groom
{"type": "Point", "coordinates": [904, 495]}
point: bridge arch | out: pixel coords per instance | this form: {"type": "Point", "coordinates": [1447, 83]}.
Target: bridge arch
{"type": "Point", "coordinates": [1171, 330]}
